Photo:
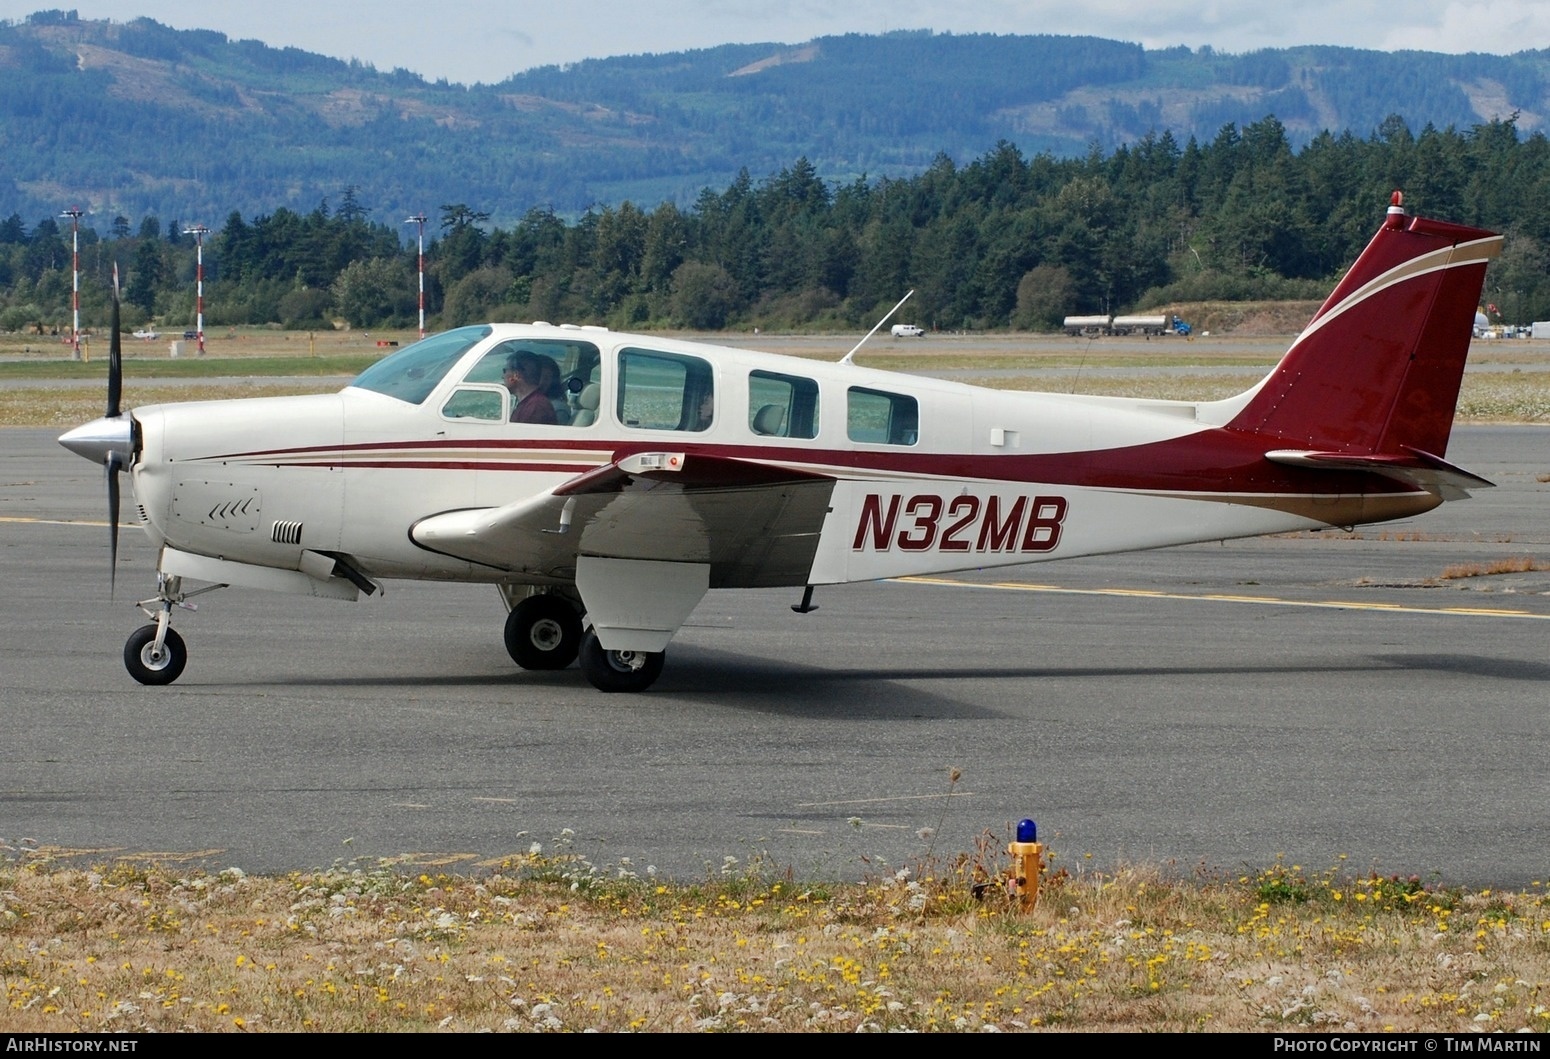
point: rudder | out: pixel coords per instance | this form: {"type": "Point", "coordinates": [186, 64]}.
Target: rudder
{"type": "Point", "coordinates": [1378, 368]}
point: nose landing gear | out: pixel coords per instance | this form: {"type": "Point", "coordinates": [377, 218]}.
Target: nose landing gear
{"type": "Point", "coordinates": [155, 654]}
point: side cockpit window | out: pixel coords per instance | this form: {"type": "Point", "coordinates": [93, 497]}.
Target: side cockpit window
{"type": "Point", "coordinates": [665, 391]}
{"type": "Point", "coordinates": [485, 404]}
{"type": "Point", "coordinates": [782, 406]}
{"type": "Point", "coordinates": [881, 418]}
{"type": "Point", "coordinates": [545, 382]}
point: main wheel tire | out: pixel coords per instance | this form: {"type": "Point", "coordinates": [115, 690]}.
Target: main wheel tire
{"type": "Point", "coordinates": [148, 666]}
{"type": "Point", "coordinates": [618, 670]}
{"type": "Point", "coordinates": [543, 632]}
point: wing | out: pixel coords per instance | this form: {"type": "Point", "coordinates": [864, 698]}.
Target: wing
{"type": "Point", "coordinates": [755, 524]}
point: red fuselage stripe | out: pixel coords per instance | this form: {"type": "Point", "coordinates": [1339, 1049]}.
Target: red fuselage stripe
{"type": "Point", "coordinates": [1209, 461]}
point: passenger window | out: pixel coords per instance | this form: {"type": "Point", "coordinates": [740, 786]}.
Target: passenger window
{"type": "Point", "coordinates": [782, 406]}
{"type": "Point", "coordinates": [882, 418]}
{"type": "Point", "coordinates": [665, 391]}
{"type": "Point", "coordinates": [547, 378]}
{"type": "Point", "coordinates": [470, 402]}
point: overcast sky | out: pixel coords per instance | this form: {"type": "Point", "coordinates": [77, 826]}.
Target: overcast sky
{"type": "Point", "coordinates": [488, 40]}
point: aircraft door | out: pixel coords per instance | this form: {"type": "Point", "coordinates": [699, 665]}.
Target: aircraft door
{"type": "Point", "coordinates": [519, 411]}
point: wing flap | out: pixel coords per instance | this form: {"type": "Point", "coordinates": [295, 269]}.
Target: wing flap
{"type": "Point", "coordinates": [754, 524]}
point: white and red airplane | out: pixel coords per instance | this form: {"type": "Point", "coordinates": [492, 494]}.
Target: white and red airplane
{"type": "Point", "coordinates": [605, 481]}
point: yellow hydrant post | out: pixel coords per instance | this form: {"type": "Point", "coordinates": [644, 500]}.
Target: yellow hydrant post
{"type": "Point", "coordinates": [1027, 865]}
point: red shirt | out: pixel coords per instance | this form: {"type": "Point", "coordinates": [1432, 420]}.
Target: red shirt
{"type": "Point", "coordinates": [534, 408]}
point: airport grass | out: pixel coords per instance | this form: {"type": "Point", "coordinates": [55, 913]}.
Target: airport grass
{"type": "Point", "coordinates": [1517, 397]}
{"type": "Point", "coordinates": [545, 941]}
{"type": "Point", "coordinates": [66, 408]}
{"type": "Point", "coordinates": [1069, 361]}
{"type": "Point", "coordinates": [41, 386]}
{"type": "Point", "coordinates": [1485, 397]}
{"type": "Point", "coordinates": [188, 368]}
{"type": "Point", "coordinates": [1511, 397]}
{"type": "Point", "coordinates": [245, 343]}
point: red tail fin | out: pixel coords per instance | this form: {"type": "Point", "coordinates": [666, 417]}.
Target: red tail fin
{"type": "Point", "coordinates": [1378, 368]}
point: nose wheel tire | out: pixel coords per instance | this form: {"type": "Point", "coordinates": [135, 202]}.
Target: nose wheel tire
{"type": "Point", "coordinates": [150, 666]}
{"type": "Point", "coordinates": [543, 632]}
{"type": "Point", "coordinates": [618, 670]}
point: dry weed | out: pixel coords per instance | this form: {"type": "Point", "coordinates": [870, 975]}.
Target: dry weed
{"type": "Point", "coordinates": [551, 943]}
{"type": "Point", "coordinates": [1520, 564]}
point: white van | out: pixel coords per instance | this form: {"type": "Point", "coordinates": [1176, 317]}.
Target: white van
{"type": "Point", "coordinates": [907, 331]}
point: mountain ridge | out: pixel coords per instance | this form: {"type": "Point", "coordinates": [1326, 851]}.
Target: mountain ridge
{"type": "Point", "coordinates": [136, 118]}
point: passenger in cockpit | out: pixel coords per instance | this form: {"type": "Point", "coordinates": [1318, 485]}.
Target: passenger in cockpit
{"type": "Point", "coordinates": [549, 383]}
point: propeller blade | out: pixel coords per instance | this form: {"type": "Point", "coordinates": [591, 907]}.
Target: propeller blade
{"type": "Point", "coordinates": [115, 357]}
{"type": "Point", "coordinates": [114, 463]}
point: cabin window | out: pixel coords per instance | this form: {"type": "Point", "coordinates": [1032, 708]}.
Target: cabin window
{"type": "Point", "coordinates": [665, 391]}
{"type": "Point", "coordinates": [483, 403]}
{"type": "Point", "coordinates": [413, 372]}
{"type": "Point", "coordinates": [882, 418]}
{"type": "Point", "coordinates": [549, 380]}
{"type": "Point", "coordinates": [782, 406]}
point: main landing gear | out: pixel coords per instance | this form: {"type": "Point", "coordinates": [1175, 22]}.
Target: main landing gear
{"type": "Point", "coordinates": [543, 632]}
{"type": "Point", "coordinates": [619, 670]}
{"type": "Point", "coordinates": [546, 631]}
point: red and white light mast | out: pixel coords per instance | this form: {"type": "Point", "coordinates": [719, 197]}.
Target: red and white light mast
{"type": "Point", "coordinates": [75, 214]}
{"type": "Point", "coordinates": [419, 220]}
{"type": "Point", "coordinates": [199, 232]}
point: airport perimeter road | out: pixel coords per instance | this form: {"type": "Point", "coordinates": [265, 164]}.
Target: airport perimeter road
{"type": "Point", "coordinates": [1220, 705]}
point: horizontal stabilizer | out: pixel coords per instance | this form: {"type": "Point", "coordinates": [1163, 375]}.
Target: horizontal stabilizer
{"type": "Point", "coordinates": [1420, 469]}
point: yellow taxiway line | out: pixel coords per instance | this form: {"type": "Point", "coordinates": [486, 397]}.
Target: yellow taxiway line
{"type": "Point", "coordinates": [67, 522]}
{"type": "Point", "coordinates": [1268, 601]}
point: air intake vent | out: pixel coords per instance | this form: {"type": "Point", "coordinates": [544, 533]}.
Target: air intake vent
{"type": "Point", "coordinates": [285, 533]}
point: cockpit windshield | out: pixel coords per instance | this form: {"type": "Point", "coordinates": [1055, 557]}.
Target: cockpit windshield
{"type": "Point", "coordinates": [413, 372]}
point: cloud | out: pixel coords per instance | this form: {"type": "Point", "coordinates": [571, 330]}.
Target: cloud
{"type": "Point", "coordinates": [1500, 27]}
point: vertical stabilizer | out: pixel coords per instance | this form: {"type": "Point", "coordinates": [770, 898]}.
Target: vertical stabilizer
{"type": "Point", "coordinates": [1377, 370]}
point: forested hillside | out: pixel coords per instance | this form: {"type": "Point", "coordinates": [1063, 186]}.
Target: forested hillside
{"type": "Point", "coordinates": [136, 118]}
{"type": "Point", "coordinates": [1007, 240]}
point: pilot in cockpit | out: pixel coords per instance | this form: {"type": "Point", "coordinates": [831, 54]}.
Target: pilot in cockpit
{"type": "Point", "coordinates": [523, 377]}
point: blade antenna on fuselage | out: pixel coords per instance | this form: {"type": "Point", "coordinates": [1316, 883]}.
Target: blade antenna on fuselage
{"type": "Point", "coordinates": [846, 358]}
